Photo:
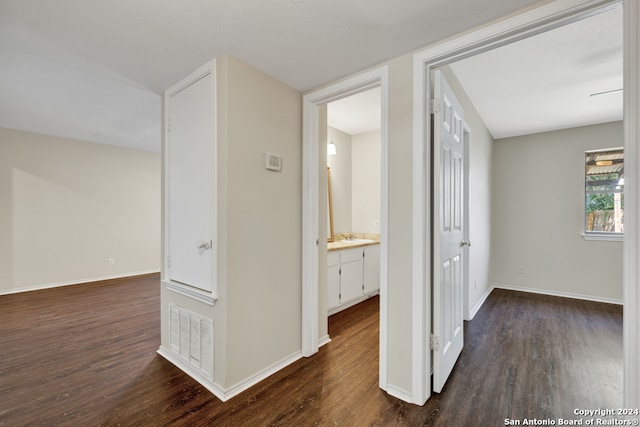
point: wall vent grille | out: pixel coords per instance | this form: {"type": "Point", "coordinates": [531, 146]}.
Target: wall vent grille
{"type": "Point", "coordinates": [192, 339]}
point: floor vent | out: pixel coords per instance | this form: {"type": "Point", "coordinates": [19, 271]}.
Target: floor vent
{"type": "Point", "coordinates": [192, 339]}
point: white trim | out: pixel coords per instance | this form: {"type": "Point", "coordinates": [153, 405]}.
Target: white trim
{"type": "Point", "coordinates": [603, 150]}
{"type": "Point", "coordinates": [77, 282]}
{"type": "Point", "coordinates": [479, 304]}
{"type": "Point", "coordinates": [222, 393]}
{"type": "Point", "coordinates": [260, 376]}
{"type": "Point", "coordinates": [603, 237]}
{"type": "Point", "coordinates": [558, 294]}
{"type": "Point", "coordinates": [534, 21]}
{"type": "Point", "coordinates": [324, 340]}
{"type": "Point", "coordinates": [310, 225]}
{"type": "Point", "coordinates": [466, 141]}
{"type": "Point", "coordinates": [377, 77]}
{"type": "Point", "coordinates": [421, 262]}
{"type": "Point", "coordinates": [631, 262]}
{"type": "Point", "coordinates": [217, 391]}
{"type": "Point", "coordinates": [351, 303]}
{"type": "Point", "coordinates": [399, 393]}
{"type": "Point", "coordinates": [193, 293]}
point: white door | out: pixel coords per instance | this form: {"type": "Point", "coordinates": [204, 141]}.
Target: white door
{"type": "Point", "coordinates": [190, 168]}
{"type": "Point", "coordinates": [448, 232]}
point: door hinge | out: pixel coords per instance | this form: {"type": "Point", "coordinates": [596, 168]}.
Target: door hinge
{"type": "Point", "coordinates": [434, 105]}
{"type": "Point", "coordinates": [340, 271]}
{"type": "Point", "coordinates": [435, 342]}
{"type": "Point", "coordinates": [168, 262]}
{"type": "Point", "coordinates": [339, 296]}
{"type": "Point", "coordinates": [168, 125]}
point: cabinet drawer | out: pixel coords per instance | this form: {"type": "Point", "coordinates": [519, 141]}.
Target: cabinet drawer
{"type": "Point", "coordinates": [349, 255]}
{"type": "Point", "coordinates": [333, 258]}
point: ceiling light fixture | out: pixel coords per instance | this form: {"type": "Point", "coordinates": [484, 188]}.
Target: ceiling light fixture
{"type": "Point", "coordinates": [331, 148]}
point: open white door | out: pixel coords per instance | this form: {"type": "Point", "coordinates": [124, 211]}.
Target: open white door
{"type": "Point", "coordinates": [448, 170]}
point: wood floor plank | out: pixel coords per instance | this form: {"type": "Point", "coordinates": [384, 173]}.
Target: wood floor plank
{"type": "Point", "coordinates": [85, 355]}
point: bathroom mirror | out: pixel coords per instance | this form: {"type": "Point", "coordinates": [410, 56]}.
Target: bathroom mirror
{"type": "Point", "coordinates": [329, 207]}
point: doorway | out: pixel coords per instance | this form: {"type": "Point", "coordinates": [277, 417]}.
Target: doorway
{"type": "Point", "coordinates": [506, 32]}
{"type": "Point", "coordinates": [314, 317]}
{"type": "Point", "coordinates": [353, 177]}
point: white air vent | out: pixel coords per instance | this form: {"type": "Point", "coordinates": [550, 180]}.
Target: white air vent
{"type": "Point", "coordinates": [192, 339]}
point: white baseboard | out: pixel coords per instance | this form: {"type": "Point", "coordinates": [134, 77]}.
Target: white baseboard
{"type": "Point", "coordinates": [353, 302]}
{"type": "Point", "coordinates": [559, 294]}
{"type": "Point", "coordinates": [222, 393]}
{"type": "Point", "coordinates": [324, 340]}
{"type": "Point", "coordinates": [77, 282]}
{"type": "Point", "coordinates": [205, 382]}
{"type": "Point", "coordinates": [401, 394]}
{"type": "Point", "coordinates": [479, 304]}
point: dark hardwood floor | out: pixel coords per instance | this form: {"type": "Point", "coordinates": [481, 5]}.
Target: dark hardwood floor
{"type": "Point", "coordinates": [85, 355]}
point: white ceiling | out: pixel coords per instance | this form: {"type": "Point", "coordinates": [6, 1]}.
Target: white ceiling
{"type": "Point", "coordinates": [357, 113]}
{"type": "Point", "coordinates": [543, 83]}
{"type": "Point", "coordinates": [95, 70]}
{"type": "Point", "coordinates": [535, 85]}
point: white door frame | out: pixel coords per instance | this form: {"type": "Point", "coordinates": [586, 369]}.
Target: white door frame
{"type": "Point", "coordinates": [467, 232]}
{"type": "Point", "coordinates": [311, 104]}
{"type": "Point", "coordinates": [507, 31]}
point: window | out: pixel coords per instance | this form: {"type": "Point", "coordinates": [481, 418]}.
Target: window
{"type": "Point", "coordinates": [604, 192]}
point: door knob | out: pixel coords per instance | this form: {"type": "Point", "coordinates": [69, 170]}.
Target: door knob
{"type": "Point", "coordinates": [464, 243]}
{"type": "Point", "coordinates": [203, 245]}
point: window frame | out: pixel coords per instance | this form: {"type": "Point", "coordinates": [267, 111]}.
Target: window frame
{"type": "Point", "coordinates": [601, 235]}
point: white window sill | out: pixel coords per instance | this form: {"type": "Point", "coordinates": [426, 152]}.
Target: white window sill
{"type": "Point", "coordinates": [604, 237]}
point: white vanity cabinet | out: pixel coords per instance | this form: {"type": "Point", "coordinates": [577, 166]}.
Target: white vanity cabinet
{"type": "Point", "coordinates": [351, 277]}
{"type": "Point", "coordinates": [371, 268]}
{"type": "Point", "coordinates": [351, 274]}
{"type": "Point", "coordinates": [333, 279]}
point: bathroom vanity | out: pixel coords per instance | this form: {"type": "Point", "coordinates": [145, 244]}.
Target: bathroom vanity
{"type": "Point", "coordinates": [353, 272]}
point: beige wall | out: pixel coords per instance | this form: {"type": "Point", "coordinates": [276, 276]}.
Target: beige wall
{"type": "Point", "coordinates": [538, 215]}
{"type": "Point", "coordinates": [264, 222]}
{"type": "Point", "coordinates": [400, 159]}
{"type": "Point", "coordinates": [400, 187]}
{"type": "Point", "coordinates": [365, 182]}
{"type": "Point", "coordinates": [68, 206]}
{"type": "Point", "coordinates": [257, 318]}
{"type": "Point", "coordinates": [341, 180]}
{"type": "Point", "coordinates": [355, 181]}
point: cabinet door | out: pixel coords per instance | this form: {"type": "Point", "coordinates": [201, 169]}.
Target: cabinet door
{"type": "Point", "coordinates": [351, 280]}
{"type": "Point", "coordinates": [371, 268]}
{"type": "Point", "coordinates": [333, 286]}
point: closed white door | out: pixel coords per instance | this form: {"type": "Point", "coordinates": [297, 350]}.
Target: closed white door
{"type": "Point", "coordinates": [191, 190]}
{"type": "Point", "coordinates": [448, 327]}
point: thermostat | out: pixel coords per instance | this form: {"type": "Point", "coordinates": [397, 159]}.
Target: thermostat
{"type": "Point", "coordinates": [273, 162]}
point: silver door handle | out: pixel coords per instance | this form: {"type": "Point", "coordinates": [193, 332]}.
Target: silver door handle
{"type": "Point", "coordinates": [464, 243]}
{"type": "Point", "coordinates": [203, 245]}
